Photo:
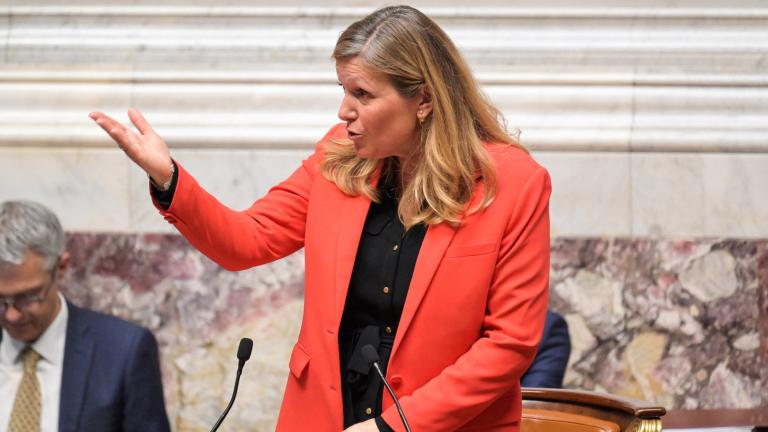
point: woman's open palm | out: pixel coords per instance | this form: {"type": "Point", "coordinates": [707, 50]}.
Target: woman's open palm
{"type": "Point", "coordinates": [145, 148]}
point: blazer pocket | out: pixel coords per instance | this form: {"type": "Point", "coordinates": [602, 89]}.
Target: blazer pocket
{"type": "Point", "coordinates": [470, 250]}
{"type": "Point", "coordinates": [299, 360]}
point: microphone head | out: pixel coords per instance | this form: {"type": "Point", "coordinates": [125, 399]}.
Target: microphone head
{"type": "Point", "coordinates": [244, 349]}
{"type": "Point", "coordinates": [369, 353]}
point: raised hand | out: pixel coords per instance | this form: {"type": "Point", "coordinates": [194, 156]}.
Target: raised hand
{"type": "Point", "coordinates": [145, 148]}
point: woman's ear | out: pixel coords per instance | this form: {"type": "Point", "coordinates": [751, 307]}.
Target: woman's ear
{"type": "Point", "coordinates": [425, 105]}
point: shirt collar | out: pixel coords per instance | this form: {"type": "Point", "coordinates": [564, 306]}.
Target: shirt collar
{"type": "Point", "coordinates": [50, 345]}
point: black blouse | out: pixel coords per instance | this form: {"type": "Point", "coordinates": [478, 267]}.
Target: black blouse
{"type": "Point", "coordinates": [384, 265]}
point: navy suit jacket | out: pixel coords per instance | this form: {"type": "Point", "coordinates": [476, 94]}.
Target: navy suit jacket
{"type": "Point", "coordinates": [111, 378]}
{"type": "Point", "coordinates": [548, 367]}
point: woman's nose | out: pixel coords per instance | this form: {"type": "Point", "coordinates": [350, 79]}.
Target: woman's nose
{"type": "Point", "coordinates": [346, 110]}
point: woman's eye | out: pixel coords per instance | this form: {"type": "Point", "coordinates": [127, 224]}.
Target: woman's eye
{"type": "Point", "coordinates": [356, 93]}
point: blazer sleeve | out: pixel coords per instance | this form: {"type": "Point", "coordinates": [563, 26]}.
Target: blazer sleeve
{"type": "Point", "coordinates": [144, 407]}
{"type": "Point", "coordinates": [512, 325]}
{"type": "Point", "coordinates": [273, 227]}
{"type": "Point", "coordinates": [549, 365]}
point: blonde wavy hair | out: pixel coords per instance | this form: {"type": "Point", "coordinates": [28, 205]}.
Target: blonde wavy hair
{"type": "Point", "coordinates": [417, 55]}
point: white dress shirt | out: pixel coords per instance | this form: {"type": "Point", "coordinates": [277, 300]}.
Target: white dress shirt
{"type": "Point", "coordinates": [50, 346]}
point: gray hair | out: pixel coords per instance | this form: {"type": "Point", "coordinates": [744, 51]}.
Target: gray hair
{"type": "Point", "coordinates": [27, 225]}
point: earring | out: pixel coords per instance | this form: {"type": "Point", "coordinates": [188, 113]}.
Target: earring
{"type": "Point", "coordinates": [420, 116]}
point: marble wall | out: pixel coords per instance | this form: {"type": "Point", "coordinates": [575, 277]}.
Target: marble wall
{"type": "Point", "coordinates": [681, 323]}
{"type": "Point", "coordinates": [651, 117]}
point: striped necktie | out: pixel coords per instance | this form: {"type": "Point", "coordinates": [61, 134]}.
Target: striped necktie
{"type": "Point", "coordinates": [25, 416]}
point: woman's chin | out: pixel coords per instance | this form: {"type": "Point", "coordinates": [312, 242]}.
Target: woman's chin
{"type": "Point", "coordinates": [362, 152]}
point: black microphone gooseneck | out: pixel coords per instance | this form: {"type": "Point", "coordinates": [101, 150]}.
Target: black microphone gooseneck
{"type": "Point", "coordinates": [243, 354]}
{"type": "Point", "coordinates": [371, 356]}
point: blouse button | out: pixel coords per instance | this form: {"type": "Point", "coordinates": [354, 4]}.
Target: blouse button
{"type": "Point", "coordinates": [368, 411]}
{"type": "Point", "coordinates": [386, 290]}
{"type": "Point", "coordinates": [395, 247]}
{"type": "Point", "coordinates": [388, 329]}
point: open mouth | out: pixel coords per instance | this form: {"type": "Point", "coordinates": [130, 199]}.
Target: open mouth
{"type": "Point", "coordinates": [353, 135]}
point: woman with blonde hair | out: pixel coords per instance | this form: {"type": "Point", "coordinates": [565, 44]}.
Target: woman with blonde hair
{"type": "Point", "coordinates": [426, 236]}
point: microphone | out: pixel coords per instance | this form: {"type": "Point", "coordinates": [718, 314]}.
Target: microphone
{"type": "Point", "coordinates": [371, 356]}
{"type": "Point", "coordinates": [243, 354]}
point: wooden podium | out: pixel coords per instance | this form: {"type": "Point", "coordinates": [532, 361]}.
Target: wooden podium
{"type": "Point", "coordinates": [552, 410]}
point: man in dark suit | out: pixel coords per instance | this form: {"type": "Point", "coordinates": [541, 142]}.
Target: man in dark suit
{"type": "Point", "coordinates": [548, 367]}
{"type": "Point", "coordinates": [62, 367]}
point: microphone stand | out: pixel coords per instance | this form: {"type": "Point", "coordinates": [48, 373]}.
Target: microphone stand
{"type": "Point", "coordinates": [370, 355]}
{"type": "Point", "coordinates": [243, 354]}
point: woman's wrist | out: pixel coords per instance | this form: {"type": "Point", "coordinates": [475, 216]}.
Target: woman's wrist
{"type": "Point", "coordinates": [164, 185]}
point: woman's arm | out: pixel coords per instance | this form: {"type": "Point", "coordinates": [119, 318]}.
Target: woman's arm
{"type": "Point", "coordinates": [271, 228]}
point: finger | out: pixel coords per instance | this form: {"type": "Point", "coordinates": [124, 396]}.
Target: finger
{"type": "Point", "coordinates": [106, 122]}
{"type": "Point", "coordinates": [140, 122]}
{"type": "Point", "coordinates": [115, 129]}
{"type": "Point", "coordinates": [123, 136]}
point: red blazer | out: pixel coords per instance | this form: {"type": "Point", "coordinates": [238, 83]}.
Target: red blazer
{"type": "Point", "coordinates": [475, 308]}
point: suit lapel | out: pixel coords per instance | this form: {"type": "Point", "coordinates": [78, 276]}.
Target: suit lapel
{"type": "Point", "coordinates": [436, 241]}
{"type": "Point", "coordinates": [78, 353]}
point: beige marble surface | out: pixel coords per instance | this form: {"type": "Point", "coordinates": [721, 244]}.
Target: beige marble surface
{"type": "Point", "coordinates": [699, 194]}
{"type": "Point", "coordinates": [85, 187]}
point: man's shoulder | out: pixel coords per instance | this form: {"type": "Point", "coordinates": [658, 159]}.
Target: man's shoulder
{"type": "Point", "coordinates": [105, 326]}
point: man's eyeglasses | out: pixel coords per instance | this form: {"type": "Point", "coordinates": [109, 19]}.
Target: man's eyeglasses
{"type": "Point", "coordinates": [24, 302]}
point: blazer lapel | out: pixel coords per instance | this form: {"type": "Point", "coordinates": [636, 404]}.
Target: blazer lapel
{"type": "Point", "coordinates": [354, 210]}
{"type": "Point", "coordinates": [436, 241]}
{"type": "Point", "coordinates": [78, 352]}
{"type": "Point", "coordinates": [351, 220]}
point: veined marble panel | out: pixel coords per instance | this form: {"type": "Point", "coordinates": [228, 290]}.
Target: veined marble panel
{"type": "Point", "coordinates": [668, 195]}
{"type": "Point", "coordinates": [680, 323]}
{"type": "Point", "coordinates": [735, 189]}
{"type": "Point", "coordinates": [591, 194]}
{"type": "Point", "coordinates": [88, 189]}
{"type": "Point", "coordinates": [661, 195]}
{"type": "Point", "coordinates": [680, 195]}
